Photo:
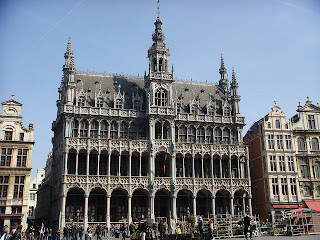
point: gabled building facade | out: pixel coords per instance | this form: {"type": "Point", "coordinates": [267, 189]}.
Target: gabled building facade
{"type": "Point", "coordinates": [34, 185]}
{"type": "Point", "coordinates": [306, 131]}
{"type": "Point", "coordinates": [273, 168]}
{"type": "Point", "coordinates": [16, 144]}
{"type": "Point", "coordinates": [147, 148]}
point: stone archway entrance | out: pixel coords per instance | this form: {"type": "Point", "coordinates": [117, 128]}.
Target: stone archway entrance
{"type": "Point", "coordinates": [162, 204]}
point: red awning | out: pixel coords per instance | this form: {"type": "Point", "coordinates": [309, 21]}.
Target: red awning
{"type": "Point", "coordinates": [315, 205]}
{"type": "Point", "coordinates": [286, 206]}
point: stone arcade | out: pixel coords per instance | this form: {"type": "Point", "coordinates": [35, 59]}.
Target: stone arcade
{"type": "Point", "coordinates": [147, 148]}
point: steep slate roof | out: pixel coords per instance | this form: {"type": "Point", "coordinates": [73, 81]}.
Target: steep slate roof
{"type": "Point", "coordinates": [186, 91]}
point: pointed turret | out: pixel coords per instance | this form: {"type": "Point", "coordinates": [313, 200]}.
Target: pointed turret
{"type": "Point", "coordinates": [158, 55]}
{"type": "Point", "coordinates": [235, 98]}
{"type": "Point", "coordinates": [223, 83]}
{"type": "Point", "coordinates": [69, 59]}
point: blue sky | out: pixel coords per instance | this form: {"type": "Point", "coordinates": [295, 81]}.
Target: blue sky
{"type": "Point", "coordinates": [273, 45]}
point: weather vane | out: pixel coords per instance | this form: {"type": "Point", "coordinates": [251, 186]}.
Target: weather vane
{"type": "Point", "coordinates": [158, 8]}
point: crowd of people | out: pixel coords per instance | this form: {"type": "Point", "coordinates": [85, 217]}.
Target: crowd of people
{"type": "Point", "coordinates": [140, 230]}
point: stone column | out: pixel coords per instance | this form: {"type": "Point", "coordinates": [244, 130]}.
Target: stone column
{"type": "Point", "coordinates": [77, 162]}
{"type": "Point", "coordinates": [173, 167]}
{"type": "Point", "coordinates": [229, 166]}
{"type": "Point", "coordinates": [88, 156]}
{"type": "Point", "coordinates": [211, 167]}
{"type": "Point", "coordinates": [193, 165]}
{"type": "Point", "coordinates": [250, 204]}
{"type": "Point", "coordinates": [130, 158]}
{"type": "Point", "coordinates": [231, 205]}
{"type": "Point", "coordinates": [98, 167]}
{"type": "Point", "coordinates": [213, 198]}
{"type": "Point", "coordinates": [244, 204]}
{"type": "Point", "coordinates": [239, 173]}
{"type": "Point", "coordinates": [202, 170]}
{"type": "Point", "coordinates": [151, 199]}
{"type": "Point", "coordinates": [63, 213]}
{"type": "Point", "coordinates": [194, 198]}
{"type": "Point", "coordinates": [109, 162]}
{"type": "Point", "coordinates": [108, 211]}
{"type": "Point", "coordinates": [220, 161]}
{"type": "Point", "coordinates": [129, 209]}
{"type": "Point", "coordinates": [174, 206]}
{"type": "Point", "coordinates": [183, 167]}
{"type": "Point", "coordinates": [86, 203]}
{"type": "Point", "coordinates": [139, 164]}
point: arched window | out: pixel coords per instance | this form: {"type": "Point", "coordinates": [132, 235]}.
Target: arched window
{"type": "Point", "coordinates": [200, 135]}
{"type": "Point", "coordinates": [100, 102]}
{"type": "Point", "coordinates": [142, 131]}
{"type": "Point", "coordinates": [123, 130]}
{"type": "Point", "coordinates": [234, 136]}
{"type": "Point", "coordinates": [226, 135]}
{"type": "Point", "coordinates": [318, 190]}
{"type": "Point", "coordinates": [133, 131]}
{"type": "Point", "coordinates": [75, 127]}
{"type": "Point", "coordinates": [316, 170]}
{"type": "Point", "coordinates": [209, 135]}
{"type": "Point", "coordinates": [137, 104]}
{"type": "Point", "coordinates": [217, 135]}
{"type": "Point", "coordinates": [162, 130]}
{"type": "Point", "coordinates": [94, 127]}
{"type": "Point", "coordinates": [114, 130]}
{"type": "Point", "coordinates": [161, 97]}
{"type": "Point", "coordinates": [104, 129]}
{"type": "Point", "coordinates": [307, 191]}
{"type": "Point", "coordinates": [314, 144]}
{"type": "Point", "coordinates": [269, 125]}
{"type": "Point", "coordinates": [301, 144]}
{"type": "Point", "coordinates": [191, 134]}
{"type": "Point", "coordinates": [84, 126]}
{"type": "Point", "coordinates": [182, 133]}
{"type": "Point", "coordinates": [161, 64]}
{"type": "Point", "coordinates": [277, 123]}
{"type": "Point", "coordinates": [81, 101]}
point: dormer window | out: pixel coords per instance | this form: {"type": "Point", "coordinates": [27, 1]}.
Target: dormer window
{"type": "Point", "coordinates": [8, 135]}
{"type": "Point", "coordinates": [119, 104]}
{"type": "Point", "coordinates": [194, 109]}
{"type": "Point", "coordinates": [81, 101]}
{"type": "Point", "coordinates": [161, 97]}
{"type": "Point", "coordinates": [226, 111]}
{"type": "Point", "coordinates": [137, 104]}
{"type": "Point", "coordinates": [100, 102]}
{"type": "Point", "coordinates": [210, 110]}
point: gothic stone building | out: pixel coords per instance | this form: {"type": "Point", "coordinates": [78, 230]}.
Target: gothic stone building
{"type": "Point", "coordinates": [145, 148]}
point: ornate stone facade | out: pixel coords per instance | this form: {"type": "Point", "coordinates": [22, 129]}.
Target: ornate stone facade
{"type": "Point", "coordinates": [16, 145]}
{"type": "Point", "coordinates": [274, 172]}
{"type": "Point", "coordinates": [151, 147]}
{"type": "Point", "coordinates": [306, 130]}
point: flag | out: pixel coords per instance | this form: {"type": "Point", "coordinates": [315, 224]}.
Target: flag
{"type": "Point", "coordinates": [164, 165]}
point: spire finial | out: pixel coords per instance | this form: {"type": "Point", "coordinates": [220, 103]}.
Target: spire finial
{"type": "Point", "coordinates": [12, 97]}
{"type": "Point", "coordinates": [275, 102]}
{"type": "Point", "coordinates": [233, 75]}
{"type": "Point", "coordinates": [158, 12]}
{"type": "Point", "coordinates": [69, 46]}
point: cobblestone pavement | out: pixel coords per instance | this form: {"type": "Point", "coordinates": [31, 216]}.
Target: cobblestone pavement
{"type": "Point", "coordinates": [309, 237]}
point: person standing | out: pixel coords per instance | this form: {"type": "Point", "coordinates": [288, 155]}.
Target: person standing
{"type": "Point", "coordinates": [98, 232]}
{"type": "Point", "coordinates": [42, 232]}
{"type": "Point", "coordinates": [247, 226]}
{"type": "Point", "coordinates": [5, 234]}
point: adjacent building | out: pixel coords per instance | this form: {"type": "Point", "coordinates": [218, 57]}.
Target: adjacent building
{"type": "Point", "coordinates": [16, 144]}
{"type": "Point", "coordinates": [43, 208]}
{"type": "Point", "coordinates": [273, 168]}
{"type": "Point", "coordinates": [306, 131]}
{"type": "Point", "coordinates": [34, 184]}
{"type": "Point", "coordinates": [132, 148]}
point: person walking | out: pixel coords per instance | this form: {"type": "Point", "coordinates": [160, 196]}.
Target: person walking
{"type": "Point", "coordinates": [42, 231]}
{"type": "Point", "coordinates": [247, 226]}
